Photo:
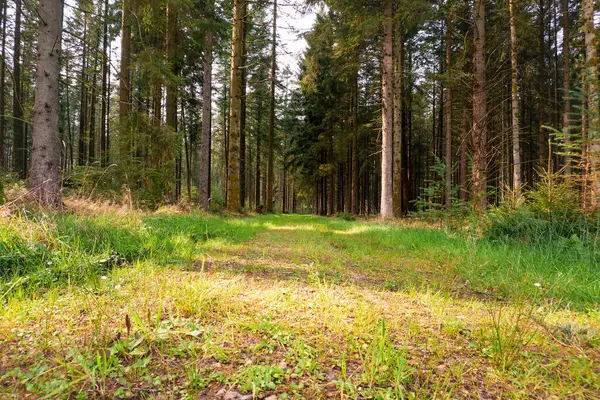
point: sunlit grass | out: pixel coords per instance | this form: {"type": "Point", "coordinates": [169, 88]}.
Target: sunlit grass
{"type": "Point", "coordinates": [140, 305]}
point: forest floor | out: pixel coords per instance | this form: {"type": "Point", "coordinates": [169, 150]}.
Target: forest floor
{"type": "Point", "coordinates": [175, 305]}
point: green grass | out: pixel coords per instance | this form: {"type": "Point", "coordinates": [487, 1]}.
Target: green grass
{"type": "Point", "coordinates": [105, 303]}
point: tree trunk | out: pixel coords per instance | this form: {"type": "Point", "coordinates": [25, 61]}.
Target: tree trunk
{"type": "Point", "coordinates": [542, 83]}
{"type": "Point", "coordinates": [81, 151]}
{"type": "Point", "coordinates": [566, 52]}
{"type": "Point", "coordinates": [448, 110]}
{"type": "Point", "coordinates": [258, 150]}
{"type": "Point", "coordinates": [397, 144]}
{"type": "Point", "coordinates": [45, 178]}
{"type": "Point", "coordinates": [171, 102]}
{"type": "Point", "coordinates": [244, 75]}
{"type": "Point", "coordinates": [387, 206]}
{"type": "Point", "coordinates": [479, 153]}
{"type": "Point", "coordinates": [354, 191]}
{"type": "Point", "coordinates": [271, 137]}
{"type": "Point", "coordinates": [235, 98]}
{"type": "Point", "coordinates": [19, 142]}
{"type": "Point", "coordinates": [591, 58]}
{"type": "Point", "coordinates": [105, 93]}
{"type": "Point", "coordinates": [125, 81]}
{"type": "Point", "coordinates": [2, 83]}
{"type": "Point", "coordinates": [205, 144]}
{"type": "Point", "coordinates": [516, 147]}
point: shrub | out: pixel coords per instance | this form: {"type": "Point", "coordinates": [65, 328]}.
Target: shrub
{"type": "Point", "coordinates": [550, 212]}
{"type": "Point", "coordinates": [346, 216]}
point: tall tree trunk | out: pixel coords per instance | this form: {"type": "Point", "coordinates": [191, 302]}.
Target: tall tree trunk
{"type": "Point", "coordinates": [479, 154]}
{"type": "Point", "coordinates": [125, 81]}
{"type": "Point", "coordinates": [235, 108]}
{"type": "Point", "coordinates": [354, 191]}
{"type": "Point", "coordinates": [462, 171]}
{"type": "Point", "coordinates": [69, 150]}
{"type": "Point", "coordinates": [591, 58]}
{"type": "Point", "coordinates": [244, 73]}
{"type": "Point", "coordinates": [172, 88]}
{"type": "Point", "coordinates": [397, 144]}
{"type": "Point", "coordinates": [387, 206]}
{"type": "Point", "coordinates": [258, 151]}
{"type": "Point", "coordinates": [2, 83]}
{"type": "Point", "coordinates": [271, 134]}
{"type": "Point", "coordinates": [542, 84]}
{"type": "Point", "coordinates": [205, 144]}
{"type": "Point", "coordinates": [92, 120]}
{"type": "Point", "coordinates": [105, 99]}
{"type": "Point", "coordinates": [566, 52]}
{"type": "Point", "coordinates": [83, 98]}
{"type": "Point", "coordinates": [516, 147]}
{"type": "Point", "coordinates": [19, 142]}
{"type": "Point", "coordinates": [448, 110]}
{"type": "Point", "coordinates": [45, 177]}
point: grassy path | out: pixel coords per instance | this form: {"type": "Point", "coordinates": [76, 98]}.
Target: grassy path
{"type": "Point", "coordinates": [298, 307]}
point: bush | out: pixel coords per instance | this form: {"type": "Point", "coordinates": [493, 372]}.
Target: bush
{"type": "Point", "coordinates": [346, 216]}
{"type": "Point", "coordinates": [550, 212]}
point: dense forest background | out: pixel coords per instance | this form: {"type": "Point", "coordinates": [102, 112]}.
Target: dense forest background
{"type": "Point", "coordinates": [438, 106]}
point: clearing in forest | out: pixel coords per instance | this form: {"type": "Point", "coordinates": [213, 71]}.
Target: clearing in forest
{"type": "Point", "coordinates": [167, 305]}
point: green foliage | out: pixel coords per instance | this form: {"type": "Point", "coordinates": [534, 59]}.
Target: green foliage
{"type": "Point", "coordinates": [550, 215]}
{"type": "Point", "coordinates": [346, 216]}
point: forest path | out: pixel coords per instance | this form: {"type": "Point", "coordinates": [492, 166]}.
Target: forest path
{"type": "Point", "coordinates": [295, 307]}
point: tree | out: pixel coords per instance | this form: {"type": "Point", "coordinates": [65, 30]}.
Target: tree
{"type": "Point", "coordinates": [566, 53]}
{"type": "Point", "coordinates": [19, 139]}
{"type": "Point", "coordinates": [235, 98]}
{"type": "Point", "coordinates": [591, 76]}
{"type": "Point", "coordinates": [205, 144]}
{"type": "Point", "coordinates": [448, 110]}
{"type": "Point", "coordinates": [2, 82]}
{"type": "Point", "coordinates": [125, 80]}
{"type": "Point", "coordinates": [387, 208]}
{"type": "Point", "coordinates": [45, 176]}
{"type": "Point", "coordinates": [397, 142]}
{"type": "Point", "coordinates": [271, 135]}
{"type": "Point", "coordinates": [516, 148]}
{"type": "Point", "coordinates": [479, 151]}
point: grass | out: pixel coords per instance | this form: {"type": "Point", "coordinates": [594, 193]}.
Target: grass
{"type": "Point", "coordinates": [108, 303]}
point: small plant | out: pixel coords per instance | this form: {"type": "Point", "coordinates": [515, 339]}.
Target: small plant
{"type": "Point", "coordinates": [258, 378]}
{"type": "Point", "coordinates": [345, 216]}
{"type": "Point", "coordinates": [510, 333]}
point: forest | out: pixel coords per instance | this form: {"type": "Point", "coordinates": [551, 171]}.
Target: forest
{"type": "Point", "coordinates": [299, 199]}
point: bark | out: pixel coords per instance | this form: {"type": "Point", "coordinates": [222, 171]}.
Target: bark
{"type": "Point", "coordinates": [45, 176]}
{"type": "Point", "coordinates": [591, 58]}
{"type": "Point", "coordinates": [205, 144]}
{"type": "Point", "coordinates": [354, 191]}
{"type": "Point", "coordinates": [542, 83]}
{"type": "Point", "coordinates": [258, 151]}
{"type": "Point", "coordinates": [235, 109]}
{"type": "Point", "coordinates": [244, 74]}
{"type": "Point", "coordinates": [387, 206]}
{"type": "Point", "coordinates": [462, 171]}
{"type": "Point", "coordinates": [566, 83]}
{"type": "Point", "coordinates": [125, 81]}
{"type": "Point", "coordinates": [397, 168]}
{"type": "Point", "coordinates": [105, 99]}
{"type": "Point", "coordinates": [516, 148]}
{"type": "Point", "coordinates": [2, 84]}
{"type": "Point", "coordinates": [171, 101]}
{"type": "Point", "coordinates": [479, 133]}
{"type": "Point", "coordinates": [19, 139]}
{"type": "Point", "coordinates": [271, 134]}
{"type": "Point", "coordinates": [448, 113]}
{"type": "Point", "coordinates": [81, 151]}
